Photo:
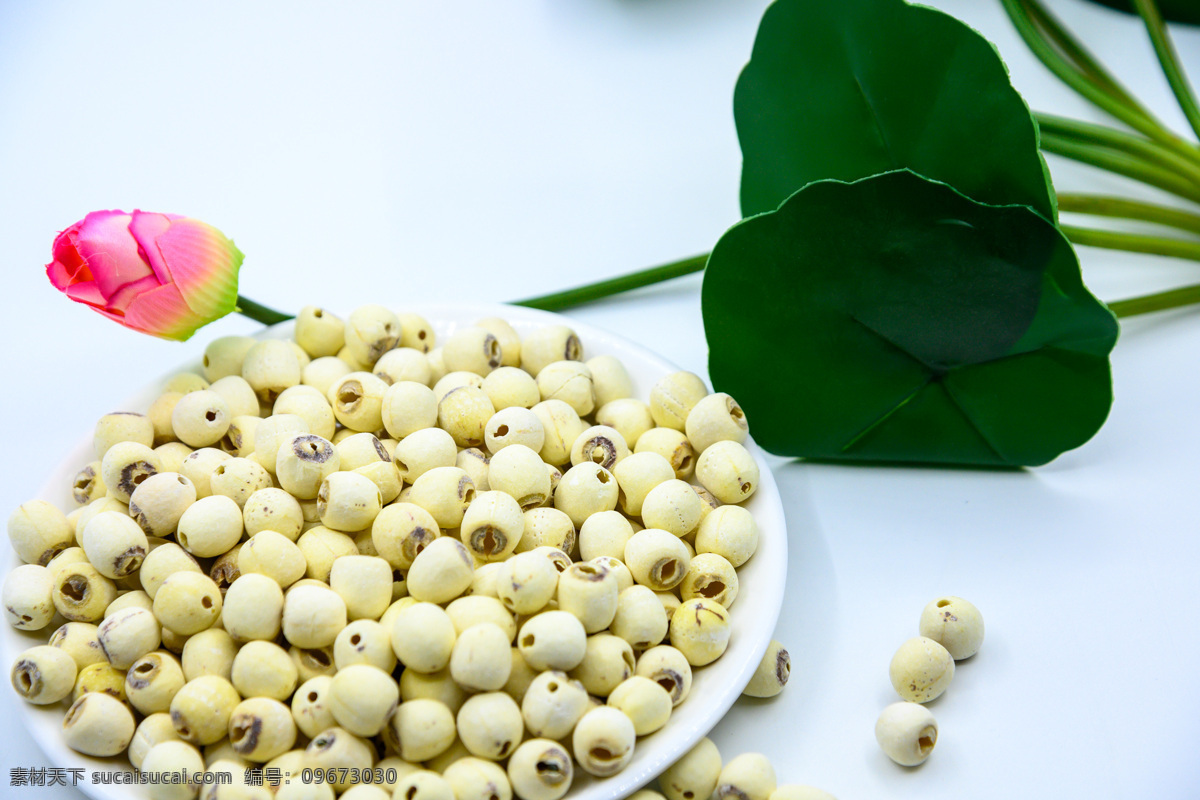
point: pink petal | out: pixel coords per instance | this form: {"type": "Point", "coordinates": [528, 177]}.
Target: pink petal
{"type": "Point", "coordinates": [85, 292]}
{"type": "Point", "coordinates": [145, 227]}
{"type": "Point", "coordinates": [68, 266]}
{"type": "Point", "coordinates": [162, 312]}
{"type": "Point", "coordinates": [60, 275]}
{"type": "Point", "coordinates": [127, 293]}
{"type": "Point", "coordinates": [115, 317]}
{"type": "Point", "coordinates": [110, 252]}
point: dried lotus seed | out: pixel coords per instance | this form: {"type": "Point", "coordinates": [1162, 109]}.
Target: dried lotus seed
{"type": "Point", "coordinates": [589, 591]}
{"type": "Point", "coordinates": [772, 673]}
{"type": "Point", "coordinates": [548, 344]}
{"type": "Point", "coordinates": [553, 640]}
{"type": "Point", "coordinates": [125, 466]}
{"type": "Point", "coordinates": [270, 367]}
{"type": "Point", "coordinates": [81, 641]}
{"type": "Point", "coordinates": [152, 682]}
{"type": "Point", "coordinates": [694, 776]}
{"type": "Point", "coordinates": [98, 725]}
{"type": "Point", "coordinates": [408, 406]}
{"type": "Point", "coordinates": [749, 776]}
{"type": "Point", "coordinates": [303, 462]}
{"type": "Point", "coordinates": [601, 445]}
{"type": "Point", "coordinates": [715, 418]}
{"type": "Point", "coordinates": [370, 331]}
{"type": "Point", "coordinates": [517, 471]}
{"type": "Point", "coordinates": [603, 741]}
{"type": "Point", "coordinates": [402, 364]}
{"type": "Point", "coordinates": [159, 501]}
{"type": "Point", "coordinates": [607, 661]}
{"type": "Point", "coordinates": [492, 526]}
{"type": "Point", "coordinates": [907, 733]}
{"type": "Point", "coordinates": [586, 489]}
{"type": "Point", "coordinates": [728, 471]}
{"type": "Point", "coordinates": [629, 416]}
{"type": "Point", "coordinates": [700, 630]}
{"type": "Point", "coordinates": [423, 637]}
{"type": "Point", "coordinates": [81, 593]}
{"type": "Point", "coordinates": [151, 731]}
{"type": "Point", "coordinates": [646, 703]}
{"type": "Point", "coordinates": [955, 624]}
{"type": "Point", "coordinates": [672, 445]}
{"type": "Point", "coordinates": [362, 698]}
{"type": "Point", "coordinates": [921, 670]}
{"type": "Point", "coordinates": [548, 527]}
{"type": "Point", "coordinates": [319, 331]}
{"type": "Point", "coordinates": [490, 725]}
{"type": "Point", "coordinates": [480, 660]}
{"type": "Point", "coordinates": [511, 387]}
{"type": "Point", "coordinates": [511, 426]}
{"type": "Point", "coordinates": [674, 396]}
{"type": "Point", "coordinates": [570, 382]}
{"type": "Point", "coordinates": [43, 675]}
{"type": "Point", "coordinates": [29, 597]}
{"type": "Point", "coordinates": [128, 635]}
{"type": "Point", "coordinates": [440, 572]}
{"type": "Point", "coordinates": [313, 616]}
{"type": "Point", "coordinates": [187, 602]}
{"type": "Point", "coordinates": [712, 576]}
{"type": "Point", "coordinates": [38, 532]}
{"type": "Point", "coordinates": [540, 769]}
{"type": "Point", "coordinates": [114, 544]}
{"type": "Point", "coordinates": [201, 419]}
{"type": "Point", "coordinates": [122, 426]}
{"type": "Point", "coordinates": [201, 710]}
{"type": "Point", "coordinates": [421, 729]}
{"type": "Point", "coordinates": [641, 619]}
{"type": "Point", "coordinates": [357, 401]}
{"type": "Point", "coordinates": [472, 350]}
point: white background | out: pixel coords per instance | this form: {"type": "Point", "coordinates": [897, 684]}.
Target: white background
{"type": "Point", "coordinates": [423, 152]}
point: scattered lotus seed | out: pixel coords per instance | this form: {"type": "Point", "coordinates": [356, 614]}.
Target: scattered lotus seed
{"type": "Point", "coordinates": [772, 673]}
{"type": "Point", "coordinates": [907, 733]}
{"type": "Point", "coordinates": [955, 624]}
{"type": "Point", "coordinates": [921, 670]}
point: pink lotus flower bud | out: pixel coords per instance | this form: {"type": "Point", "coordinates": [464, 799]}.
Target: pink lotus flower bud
{"type": "Point", "coordinates": [161, 274]}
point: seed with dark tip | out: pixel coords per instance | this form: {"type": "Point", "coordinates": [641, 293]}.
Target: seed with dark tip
{"type": "Point", "coordinates": [26, 678]}
{"type": "Point", "coordinates": [128, 562]}
{"type": "Point", "coordinates": [783, 667]}
{"type": "Point", "coordinates": [133, 474]}
{"type": "Point", "coordinates": [244, 733]}
{"type": "Point", "coordinates": [312, 448]}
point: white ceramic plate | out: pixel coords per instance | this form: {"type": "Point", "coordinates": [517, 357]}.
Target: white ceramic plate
{"type": "Point", "coordinates": [715, 687]}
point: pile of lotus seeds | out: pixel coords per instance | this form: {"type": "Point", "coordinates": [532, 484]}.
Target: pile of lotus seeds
{"type": "Point", "coordinates": [412, 571]}
{"type": "Point", "coordinates": [921, 670]}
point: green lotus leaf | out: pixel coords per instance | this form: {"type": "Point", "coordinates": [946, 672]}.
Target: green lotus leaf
{"type": "Point", "coordinates": [853, 88]}
{"type": "Point", "coordinates": [895, 319]}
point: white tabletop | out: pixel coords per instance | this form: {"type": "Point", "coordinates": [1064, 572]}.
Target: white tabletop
{"type": "Point", "coordinates": [416, 152]}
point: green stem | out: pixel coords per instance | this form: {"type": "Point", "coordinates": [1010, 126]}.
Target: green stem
{"type": "Point", "coordinates": [1121, 164]}
{"type": "Point", "coordinates": [1159, 301]}
{"type": "Point", "coordinates": [622, 283]}
{"type": "Point", "coordinates": [1085, 85]}
{"type": "Point", "coordinates": [1081, 57]}
{"type": "Point", "coordinates": [1131, 144]}
{"type": "Point", "coordinates": [1133, 242]}
{"type": "Point", "coordinates": [1119, 207]}
{"type": "Point", "coordinates": [1167, 56]}
{"type": "Point", "coordinates": [260, 313]}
